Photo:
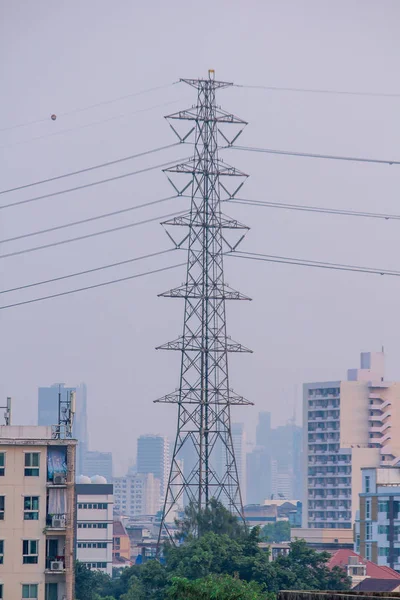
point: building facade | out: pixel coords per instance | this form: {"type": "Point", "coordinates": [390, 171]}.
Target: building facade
{"type": "Point", "coordinates": [349, 425]}
{"type": "Point", "coordinates": [377, 528]}
{"type": "Point", "coordinates": [37, 509]}
{"type": "Point", "coordinates": [153, 457]}
{"type": "Point", "coordinates": [239, 447]}
{"type": "Point", "coordinates": [48, 414]}
{"type": "Point", "coordinates": [137, 494]}
{"type": "Point", "coordinates": [94, 525]}
{"type": "Point", "coordinates": [98, 463]}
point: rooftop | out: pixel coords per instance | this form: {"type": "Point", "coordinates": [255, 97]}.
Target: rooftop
{"type": "Point", "coordinates": [340, 558]}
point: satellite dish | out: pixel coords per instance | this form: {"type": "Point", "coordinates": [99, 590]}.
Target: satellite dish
{"type": "Point", "coordinates": [53, 117]}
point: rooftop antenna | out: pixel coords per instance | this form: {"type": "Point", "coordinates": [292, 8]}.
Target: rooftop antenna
{"type": "Point", "coordinates": [66, 412]}
{"type": "Point", "coordinates": [7, 413]}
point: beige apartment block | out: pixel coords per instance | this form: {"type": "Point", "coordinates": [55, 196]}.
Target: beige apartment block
{"type": "Point", "coordinates": [37, 514]}
{"type": "Point", "coordinates": [349, 425]}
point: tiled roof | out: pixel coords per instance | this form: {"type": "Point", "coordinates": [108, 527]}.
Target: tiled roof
{"type": "Point", "coordinates": [118, 528]}
{"type": "Point", "coordinates": [377, 585]}
{"type": "Point", "coordinates": [340, 558]}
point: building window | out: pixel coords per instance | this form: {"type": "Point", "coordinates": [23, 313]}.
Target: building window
{"type": "Point", "coordinates": [92, 525]}
{"type": "Point", "coordinates": [30, 553]}
{"type": "Point", "coordinates": [383, 529]}
{"type": "Point", "coordinates": [2, 504]}
{"type": "Point", "coordinates": [368, 531]}
{"type": "Point", "coordinates": [1, 553]}
{"type": "Point", "coordinates": [368, 508]}
{"type": "Point", "coordinates": [1, 591]}
{"type": "Point", "coordinates": [367, 484]}
{"type": "Point", "coordinates": [29, 590]}
{"type": "Point", "coordinates": [100, 505]}
{"type": "Point", "coordinates": [368, 551]}
{"type": "Point", "coordinates": [32, 464]}
{"type": "Point", "coordinates": [383, 551]}
{"type": "Point", "coordinates": [31, 508]}
{"type": "Point", "coordinates": [383, 506]}
{"type": "Point", "coordinates": [2, 465]}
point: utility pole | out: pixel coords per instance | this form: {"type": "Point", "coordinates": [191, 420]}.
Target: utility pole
{"type": "Point", "coordinates": [204, 398]}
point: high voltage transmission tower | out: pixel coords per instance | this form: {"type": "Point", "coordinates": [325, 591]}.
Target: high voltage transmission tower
{"type": "Point", "coordinates": [204, 398]}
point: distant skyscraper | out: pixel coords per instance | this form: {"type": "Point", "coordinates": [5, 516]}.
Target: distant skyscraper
{"type": "Point", "coordinates": [153, 457]}
{"type": "Point", "coordinates": [48, 414]}
{"type": "Point", "coordinates": [98, 463]}
{"type": "Point", "coordinates": [239, 447]}
{"type": "Point", "coordinates": [263, 430]}
{"type": "Point", "coordinates": [259, 476]}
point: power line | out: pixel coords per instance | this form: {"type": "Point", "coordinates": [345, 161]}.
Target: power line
{"type": "Point", "coordinates": [92, 168]}
{"type": "Point", "coordinates": [89, 235]}
{"type": "Point", "coordinates": [88, 220]}
{"type": "Point", "coordinates": [103, 267]}
{"type": "Point", "coordinates": [316, 209]}
{"type": "Point", "coordinates": [311, 155]}
{"type": "Point", "coordinates": [102, 103]}
{"type": "Point", "coordinates": [317, 91]}
{"type": "Point", "coordinates": [86, 125]}
{"type": "Point", "coordinates": [312, 263]}
{"type": "Point", "coordinates": [93, 183]}
{"type": "Point", "coordinates": [90, 287]}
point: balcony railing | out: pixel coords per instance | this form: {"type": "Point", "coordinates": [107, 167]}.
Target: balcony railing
{"type": "Point", "coordinates": [56, 521]}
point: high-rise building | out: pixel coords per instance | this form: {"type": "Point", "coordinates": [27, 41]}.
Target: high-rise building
{"type": "Point", "coordinates": [37, 500]}
{"type": "Point", "coordinates": [153, 457]}
{"type": "Point", "coordinates": [239, 447]}
{"type": "Point", "coordinates": [98, 463]}
{"type": "Point", "coordinates": [263, 430]}
{"type": "Point", "coordinates": [349, 425]}
{"type": "Point", "coordinates": [94, 524]}
{"type": "Point", "coordinates": [137, 494]}
{"type": "Point", "coordinates": [259, 476]}
{"type": "Point", "coordinates": [48, 400]}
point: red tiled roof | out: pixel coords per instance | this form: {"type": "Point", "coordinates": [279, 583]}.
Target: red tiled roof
{"type": "Point", "coordinates": [340, 558]}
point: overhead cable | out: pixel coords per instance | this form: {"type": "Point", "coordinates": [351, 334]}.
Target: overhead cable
{"type": "Point", "coordinates": [93, 183]}
{"type": "Point", "coordinates": [92, 168]}
{"type": "Point", "coordinates": [311, 263]}
{"type": "Point", "coordinates": [91, 287]}
{"type": "Point", "coordinates": [272, 88]}
{"type": "Point", "coordinates": [90, 235]}
{"type": "Point", "coordinates": [96, 105]}
{"type": "Point", "coordinates": [316, 209]}
{"type": "Point", "coordinates": [87, 220]}
{"type": "Point", "coordinates": [87, 271]}
{"type": "Point", "coordinates": [312, 155]}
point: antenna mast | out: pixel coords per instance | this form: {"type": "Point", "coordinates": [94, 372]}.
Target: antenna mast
{"type": "Point", "coordinates": [204, 397]}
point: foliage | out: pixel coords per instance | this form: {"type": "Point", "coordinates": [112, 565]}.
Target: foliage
{"type": "Point", "coordinates": [216, 587]}
{"type": "Point", "coordinates": [89, 583]}
{"type": "Point", "coordinates": [215, 518]}
{"type": "Point", "coordinates": [276, 532]}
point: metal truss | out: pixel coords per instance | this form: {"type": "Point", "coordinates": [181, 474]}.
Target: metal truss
{"type": "Point", "coordinates": [204, 398]}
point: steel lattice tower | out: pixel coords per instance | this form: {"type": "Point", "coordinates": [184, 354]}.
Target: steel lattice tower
{"type": "Point", "coordinates": [204, 397]}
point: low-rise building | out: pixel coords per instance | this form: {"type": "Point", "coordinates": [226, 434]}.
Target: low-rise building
{"type": "Point", "coordinates": [121, 542]}
{"type": "Point", "coordinates": [37, 510]}
{"type": "Point", "coordinates": [94, 523]}
{"type": "Point", "coordinates": [359, 569]}
{"type": "Point", "coordinates": [324, 539]}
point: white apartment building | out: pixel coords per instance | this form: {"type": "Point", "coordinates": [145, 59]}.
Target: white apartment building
{"type": "Point", "coordinates": [349, 425]}
{"type": "Point", "coordinates": [37, 474]}
{"type": "Point", "coordinates": [94, 523]}
{"type": "Point", "coordinates": [137, 494]}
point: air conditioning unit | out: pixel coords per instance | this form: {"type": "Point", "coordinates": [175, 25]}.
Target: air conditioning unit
{"type": "Point", "coordinates": [56, 565]}
{"type": "Point", "coordinates": [58, 522]}
{"type": "Point", "coordinates": [59, 479]}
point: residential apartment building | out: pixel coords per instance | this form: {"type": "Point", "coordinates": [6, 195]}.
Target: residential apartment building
{"type": "Point", "coordinates": [48, 414]}
{"type": "Point", "coordinates": [121, 542]}
{"type": "Point", "coordinates": [37, 475]}
{"type": "Point", "coordinates": [153, 457]}
{"type": "Point", "coordinates": [349, 425]}
{"type": "Point", "coordinates": [137, 494]}
{"type": "Point", "coordinates": [94, 523]}
{"type": "Point", "coordinates": [98, 463]}
{"type": "Point", "coordinates": [377, 529]}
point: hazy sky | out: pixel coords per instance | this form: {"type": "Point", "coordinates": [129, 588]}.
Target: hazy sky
{"type": "Point", "coordinates": [303, 324]}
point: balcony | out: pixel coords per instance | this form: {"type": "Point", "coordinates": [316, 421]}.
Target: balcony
{"type": "Point", "coordinates": [58, 480]}
{"type": "Point", "coordinates": [55, 565]}
{"type": "Point", "coordinates": [56, 523]}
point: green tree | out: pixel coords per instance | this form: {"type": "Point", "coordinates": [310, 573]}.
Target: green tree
{"type": "Point", "coordinates": [305, 569]}
{"type": "Point", "coordinates": [214, 518]}
{"type": "Point", "coordinates": [215, 587]}
{"type": "Point", "coordinates": [276, 532]}
{"type": "Point", "coordinates": [88, 583]}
